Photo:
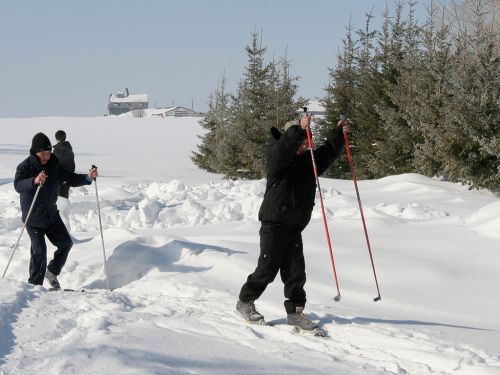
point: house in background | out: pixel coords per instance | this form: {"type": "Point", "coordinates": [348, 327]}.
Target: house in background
{"type": "Point", "coordinates": [124, 102]}
{"type": "Point", "coordinates": [314, 108]}
{"type": "Point", "coordinates": [176, 112]}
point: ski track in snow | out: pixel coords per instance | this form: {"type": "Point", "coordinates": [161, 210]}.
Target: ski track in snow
{"type": "Point", "coordinates": [81, 328]}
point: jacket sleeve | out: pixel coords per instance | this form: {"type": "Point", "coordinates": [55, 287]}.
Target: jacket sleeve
{"type": "Point", "coordinates": [280, 153]}
{"type": "Point", "coordinates": [326, 154]}
{"type": "Point", "coordinates": [73, 179]}
{"type": "Point", "coordinates": [23, 180]}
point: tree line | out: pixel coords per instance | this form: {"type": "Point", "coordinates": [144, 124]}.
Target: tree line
{"type": "Point", "coordinates": [423, 97]}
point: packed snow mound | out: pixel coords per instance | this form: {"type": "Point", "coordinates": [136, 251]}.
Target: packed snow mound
{"type": "Point", "coordinates": [151, 205]}
{"type": "Point", "coordinates": [115, 194]}
{"type": "Point", "coordinates": [486, 220]}
{"type": "Point", "coordinates": [412, 211]}
{"type": "Point", "coordinates": [417, 184]}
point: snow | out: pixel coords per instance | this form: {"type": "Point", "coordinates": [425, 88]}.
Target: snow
{"type": "Point", "coordinates": [180, 242]}
{"type": "Point", "coordinates": [132, 98]}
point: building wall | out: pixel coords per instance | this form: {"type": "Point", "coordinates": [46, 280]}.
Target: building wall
{"type": "Point", "coordinates": [124, 107]}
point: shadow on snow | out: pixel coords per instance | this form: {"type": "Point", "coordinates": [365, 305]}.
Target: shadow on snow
{"type": "Point", "coordinates": [132, 260]}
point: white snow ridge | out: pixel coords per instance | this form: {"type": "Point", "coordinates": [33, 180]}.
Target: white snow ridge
{"type": "Point", "coordinates": [180, 242]}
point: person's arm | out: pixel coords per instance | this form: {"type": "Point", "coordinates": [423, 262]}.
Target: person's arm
{"type": "Point", "coordinates": [24, 181]}
{"type": "Point", "coordinates": [326, 154]}
{"type": "Point", "coordinates": [76, 179]}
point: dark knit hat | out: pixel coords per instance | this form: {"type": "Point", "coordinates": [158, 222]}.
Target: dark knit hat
{"type": "Point", "coordinates": [61, 135]}
{"type": "Point", "coordinates": [39, 143]}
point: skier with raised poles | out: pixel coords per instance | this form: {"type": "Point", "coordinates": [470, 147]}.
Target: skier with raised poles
{"type": "Point", "coordinates": [285, 212]}
{"type": "Point", "coordinates": [43, 168]}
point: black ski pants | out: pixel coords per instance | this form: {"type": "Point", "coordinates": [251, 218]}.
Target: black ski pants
{"type": "Point", "coordinates": [281, 250]}
{"type": "Point", "coordinates": [58, 235]}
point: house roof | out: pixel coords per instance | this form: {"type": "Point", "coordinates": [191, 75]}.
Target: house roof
{"type": "Point", "coordinates": [134, 98]}
{"type": "Point", "coordinates": [170, 109]}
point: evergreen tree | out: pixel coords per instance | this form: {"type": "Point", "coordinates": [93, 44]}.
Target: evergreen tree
{"type": "Point", "coordinates": [433, 80]}
{"type": "Point", "coordinates": [285, 89]}
{"type": "Point", "coordinates": [204, 158]}
{"type": "Point", "coordinates": [423, 98]}
{"type": "Point", "coordinates": [394, 151]}
{"type": "Point", "coordinates": [265, 98]}
{"type": "Point", "coordinates": [340, 99]}
{"type": "Point", "coordinates": [472, 117]}
{"type": "Point", "coordinates": [366, 129]}
{"type": "Point", "coordinates": [238, 125]}
{"type": "Point", "coordinates": [213, 153]}
{"type": "Point", "coordinates": [224, 158]}
{"type": "Point", "coordinates": [250, 118]}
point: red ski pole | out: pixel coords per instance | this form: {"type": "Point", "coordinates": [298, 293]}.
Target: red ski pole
{"type": "Point", "coordinates": [353, 172]}
{"type": "Point", "coordinates": [327, 232]}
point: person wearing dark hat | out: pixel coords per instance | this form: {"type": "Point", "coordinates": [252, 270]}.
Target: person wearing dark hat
{"type": "Point", "coordinates": [64, 152]}
{"type": "Point", "coordinates": [42, 168]}
{"type": "Point", "coordinates": [284, 213]}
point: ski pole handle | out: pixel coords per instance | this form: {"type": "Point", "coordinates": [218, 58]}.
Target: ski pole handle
{"type": "Point", "coordinates": [40, 183]}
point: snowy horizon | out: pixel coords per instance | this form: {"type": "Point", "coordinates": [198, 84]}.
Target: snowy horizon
{"type": "Point", "coordinates": [180, 242]}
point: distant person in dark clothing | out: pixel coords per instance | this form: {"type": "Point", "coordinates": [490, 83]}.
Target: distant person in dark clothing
{"type": "Point", "coordinates": [64, 153]}
{"type": "Point", "coordinates": [43, 168]}
{"type": "Point", "coordinates": [284, 213]}
{"type": "Point", "coordinates": [66, 157]}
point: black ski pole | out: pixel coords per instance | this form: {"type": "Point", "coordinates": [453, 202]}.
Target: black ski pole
{"type": "Point", "coordinates": [100, 227]}
{"type": "Point", "coordinates": [327, 232]}
{"type": "Point", "coordinates": [353, 172]}
{"type": "Point", "coordinates": [24, 226]}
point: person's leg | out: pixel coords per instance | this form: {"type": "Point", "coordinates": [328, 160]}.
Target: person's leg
{"type": "Point", "coordinates": [272, 249]}
{"type": "Point", "coordinates": [58, 235]}
{"type": "Point", "coordinates": [293, 275]}
{"type": "Point", "coordinates": [38, 260]}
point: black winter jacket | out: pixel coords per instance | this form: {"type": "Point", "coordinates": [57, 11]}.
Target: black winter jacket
{"type": "Point", "coordinates": [64, 153]}
{"type": "Point", "coordinates": [45, 209]}
{"type": "Point", "coordinates": [291, 185]}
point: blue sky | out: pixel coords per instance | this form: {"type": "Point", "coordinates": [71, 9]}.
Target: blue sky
{"type": "Point", "coordinates": [64, 57]}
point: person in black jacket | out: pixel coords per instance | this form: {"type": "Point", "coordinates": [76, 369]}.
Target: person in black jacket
{"type": "Point", "coordinates": [64, 153]}
{"type": "Point", "coordinates": [284, 213]}
{"type": "Point", "coordinates": [42, 168]}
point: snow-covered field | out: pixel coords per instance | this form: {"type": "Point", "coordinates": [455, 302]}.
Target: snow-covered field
{"type": "Point", "coordinates": [180, 242]}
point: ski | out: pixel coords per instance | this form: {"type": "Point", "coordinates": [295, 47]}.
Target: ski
{"type": "Point", "coordinates": [260, 322]}
{"type": "Point", "coordinates": [316, 332]}
{"type": "Point", "coordinates": [66, 290]}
